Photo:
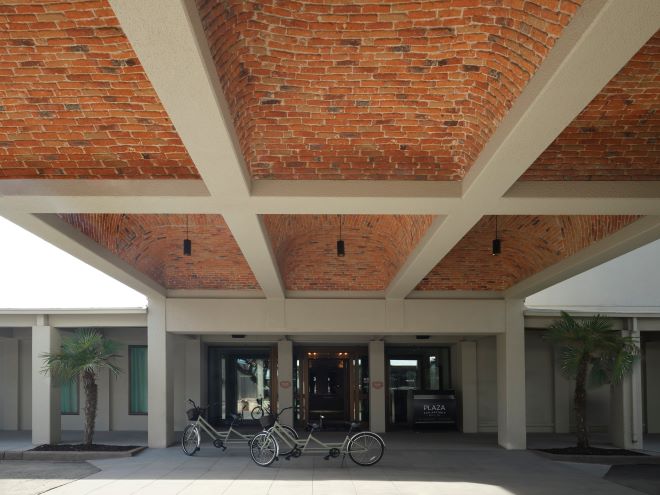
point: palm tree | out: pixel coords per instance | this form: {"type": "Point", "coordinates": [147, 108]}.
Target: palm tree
{"type": "Point", "coordinates": [592, 354]}
{"type": "Point", "coordinates": [81, 357]}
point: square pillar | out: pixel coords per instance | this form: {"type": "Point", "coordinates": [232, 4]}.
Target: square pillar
{"type": "Point", "coordinates": [160, 354]}
{"type": "Point", "coordinates": [467, 372]}
{"type": "Point", "coordinates": [626, 429]}
{"type": "Point", "coordinates": [285, 380]}
{"type": "Point", "coordinates": [511, 416]}
{"type": "Point", "coordinates": [9, 380]}
{"type": "Point", "coordinates": [46, 419]}
{"type": "Point", "coordinates": [377, 404]}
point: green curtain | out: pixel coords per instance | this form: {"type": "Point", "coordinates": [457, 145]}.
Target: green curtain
{"type": "Point", "coordinates": [138, 379]}
{"type": "Point", "coordinates": [69, 397]}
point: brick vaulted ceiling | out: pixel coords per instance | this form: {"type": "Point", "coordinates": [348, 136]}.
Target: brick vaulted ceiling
{"type": "Point", "coordinates": [529, 245]}
{"type": "Point", "coordinates": [329, 89]}
{"type": "Point", "coordinates": [376, 248]}
{"type": "Point", "coordinates": [617, 136]}
{"type": "Point", "coordinates": [153, 245]}
{"type": "Point", "coordinates": [75, 101]}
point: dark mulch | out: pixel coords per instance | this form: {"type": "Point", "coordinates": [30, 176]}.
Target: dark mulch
{"type": "Point", "coordinates": [591, 451]}
{"type": "Point", "coordinates": [81, 447]}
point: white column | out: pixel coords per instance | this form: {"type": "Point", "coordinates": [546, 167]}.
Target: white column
{"type": "Point", "coordinates": [377, 386]}
{"type": "Point", "coordinates": [467, 371]}
{"type": "Point", "coordinates": [626, 429]}
{"type": "Point", "coordinates": [511, 417]}
{"type": "Point", "coordinates": [46, 419]}
{"type": "Point", "coordinates": [9, 380]}
{"type": "Point", "coordinates": [193, 384]}
{"type": "Point", "coordinates": [285, 380]}
{"type": "Point", "coordinates": [160, 383]}
{"type": "Point", "coordinates": [562, 396]}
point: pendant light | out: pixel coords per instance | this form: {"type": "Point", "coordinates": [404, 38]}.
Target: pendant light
{"type": "Point", "coordinates": [341, 252]}
{"type": "Point", "coordinates": [187, 243]}
{"type": "Point", "coordinates": [497, 242]}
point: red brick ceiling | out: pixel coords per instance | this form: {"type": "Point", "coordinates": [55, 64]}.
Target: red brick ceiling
{"type": "Point", "coordinates": [617, 136]}
{"type": "Point", "coordinates": [153, 244]}
{"type": "Point", "coordinates": [529, 245]}
{"type": "Point", "coordinates": [329, 89]}
{"type": "Point", "coordinates": [75, 101]}
{"type": "Point", "coordinates": [376, 247]}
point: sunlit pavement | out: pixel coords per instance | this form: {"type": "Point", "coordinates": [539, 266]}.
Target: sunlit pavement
{"type": "Point", "coordinates": [409, 466]}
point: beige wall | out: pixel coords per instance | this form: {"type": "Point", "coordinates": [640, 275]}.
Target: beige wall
{"type": "Point", "coordinates": [487, 384]}
{"type": "Point", "coordinates": [540, 382]}
{"type": "Point", "coordinates": [652, 364]}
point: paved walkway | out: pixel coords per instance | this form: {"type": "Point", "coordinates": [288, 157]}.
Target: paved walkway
{"type": "Point", "coordinates": [438, 464]}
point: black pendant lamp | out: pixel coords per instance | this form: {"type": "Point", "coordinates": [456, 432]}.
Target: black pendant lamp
{"type": "Point", "coordinates": [341, 251]}
{"type": "Point", "coordinates": [187, 243]}
{"type": "Point", "coordinates": [497, 242]}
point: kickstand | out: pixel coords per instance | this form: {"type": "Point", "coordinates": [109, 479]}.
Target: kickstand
{"type": "Point", "coordinates": [343, 458]}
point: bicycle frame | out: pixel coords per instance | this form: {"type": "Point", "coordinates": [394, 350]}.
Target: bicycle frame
{"type": "Point", "coordinates": [228, 437]}
{"type": "Point", "coordinates": [311, 444]}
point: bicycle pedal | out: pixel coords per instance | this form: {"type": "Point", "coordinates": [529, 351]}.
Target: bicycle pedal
{"type": "Point", "coordinates": [288, 458]}
{"type": "Point", "coordinates": [327, 457]}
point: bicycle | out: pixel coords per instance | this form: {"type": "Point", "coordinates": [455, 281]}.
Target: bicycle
{"type": "Point", "coordinates": [191, 438]}
{"type": "Point", "coordinates": [258, 411]}
{"type": "Point", "coordinates": [364, 448]}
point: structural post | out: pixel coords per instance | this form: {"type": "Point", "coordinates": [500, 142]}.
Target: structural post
{"type": "Point", "coordinates": [511, 417]}
{"type": "Point", "coordinates": [46, 419]}
{"type": "Point", "coordinates": [377, 404]}
{"type": "Point", "coordinates": [626, 429]}
{"type": "Point", "coordinates": [562, 395]}
{"type": "Point", "coordinates": [9, 375]}
{"type": "Point", "coordinates": [467, 369]}
{"type": "Point", "coordinates": [160, 377]}
{"type": "Point", "coordinates": [193, 374]}
{"type": "Point", "coordinates": [285, 380]}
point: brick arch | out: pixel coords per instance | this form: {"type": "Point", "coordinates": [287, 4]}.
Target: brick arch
{"type": "Point", "coordinates": [153, 245]}
{"type": "Point", "coordinates": [324, 89]}
{"type": "Point", "coordinates": [616, 136]}
{"type": "Point", "coordinates": [530, 244]}
{"type": "Point", "coordinates": [376, 247]}
{"type": "Point", "coordinates": [75, 102]}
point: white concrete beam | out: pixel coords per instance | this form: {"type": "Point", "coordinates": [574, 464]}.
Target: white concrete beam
{"type": "Point", "coordinates": [580, 198]}
{"type": "Point", "coordinates": [169, 40]}
{"type": "Point", "coordinates": [64, 236]}
{"type": "Point", "coordinates": [599, 41]}
{"type": "Point", "coordinates": [251, 236]}
{"type": "Point", "coordinates": [630, 237]}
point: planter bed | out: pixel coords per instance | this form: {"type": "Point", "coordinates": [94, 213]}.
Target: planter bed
{"type": "Point", "coordinates": [596, 455]}
{"type": "Point", "coordinates": [79, 452]}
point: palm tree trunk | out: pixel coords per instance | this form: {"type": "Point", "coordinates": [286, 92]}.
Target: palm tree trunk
{"type": "Point", "coordinates": [580, 405]}
{"type": "Point", "coordinates": [91, 401]}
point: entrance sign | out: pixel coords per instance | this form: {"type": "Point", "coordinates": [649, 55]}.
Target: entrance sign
{"type": "Point", "coordinates": [434, 408]}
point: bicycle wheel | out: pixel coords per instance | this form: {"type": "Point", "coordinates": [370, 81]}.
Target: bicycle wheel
{"type": "Point", "coordinates": [263, 449]}
{"type": "Point", "coordinates": [257, 412]}
{"type": "Point", "coordinates": [190, 440]}
{"type": "Point", "coordinates": [283, 444]}
{"type": "Point", "coordinates": [366, 448]}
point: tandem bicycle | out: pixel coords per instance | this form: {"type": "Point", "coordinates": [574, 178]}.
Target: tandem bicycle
{"type": "Point", "coordinates": [192, 434]}
{"type": "Point", "coordinates": [364, 448]}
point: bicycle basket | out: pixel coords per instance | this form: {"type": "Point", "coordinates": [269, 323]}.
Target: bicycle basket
{"type": "Point", "coordinates": [193, 414]}
{"type": "Point", "coordinates": [267, 421]}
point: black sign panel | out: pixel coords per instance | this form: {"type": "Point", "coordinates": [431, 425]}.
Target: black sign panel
{"type": "Point", "coordinates": [434, 409]}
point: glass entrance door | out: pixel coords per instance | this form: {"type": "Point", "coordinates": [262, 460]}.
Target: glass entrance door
{"type": "Point", "coordinates": [237, 381]}
{"type": "Point", "coordinates": [333, 384]}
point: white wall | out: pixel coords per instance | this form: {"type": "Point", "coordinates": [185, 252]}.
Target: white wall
{"type": "Point", "coordinates": [629, 281]}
